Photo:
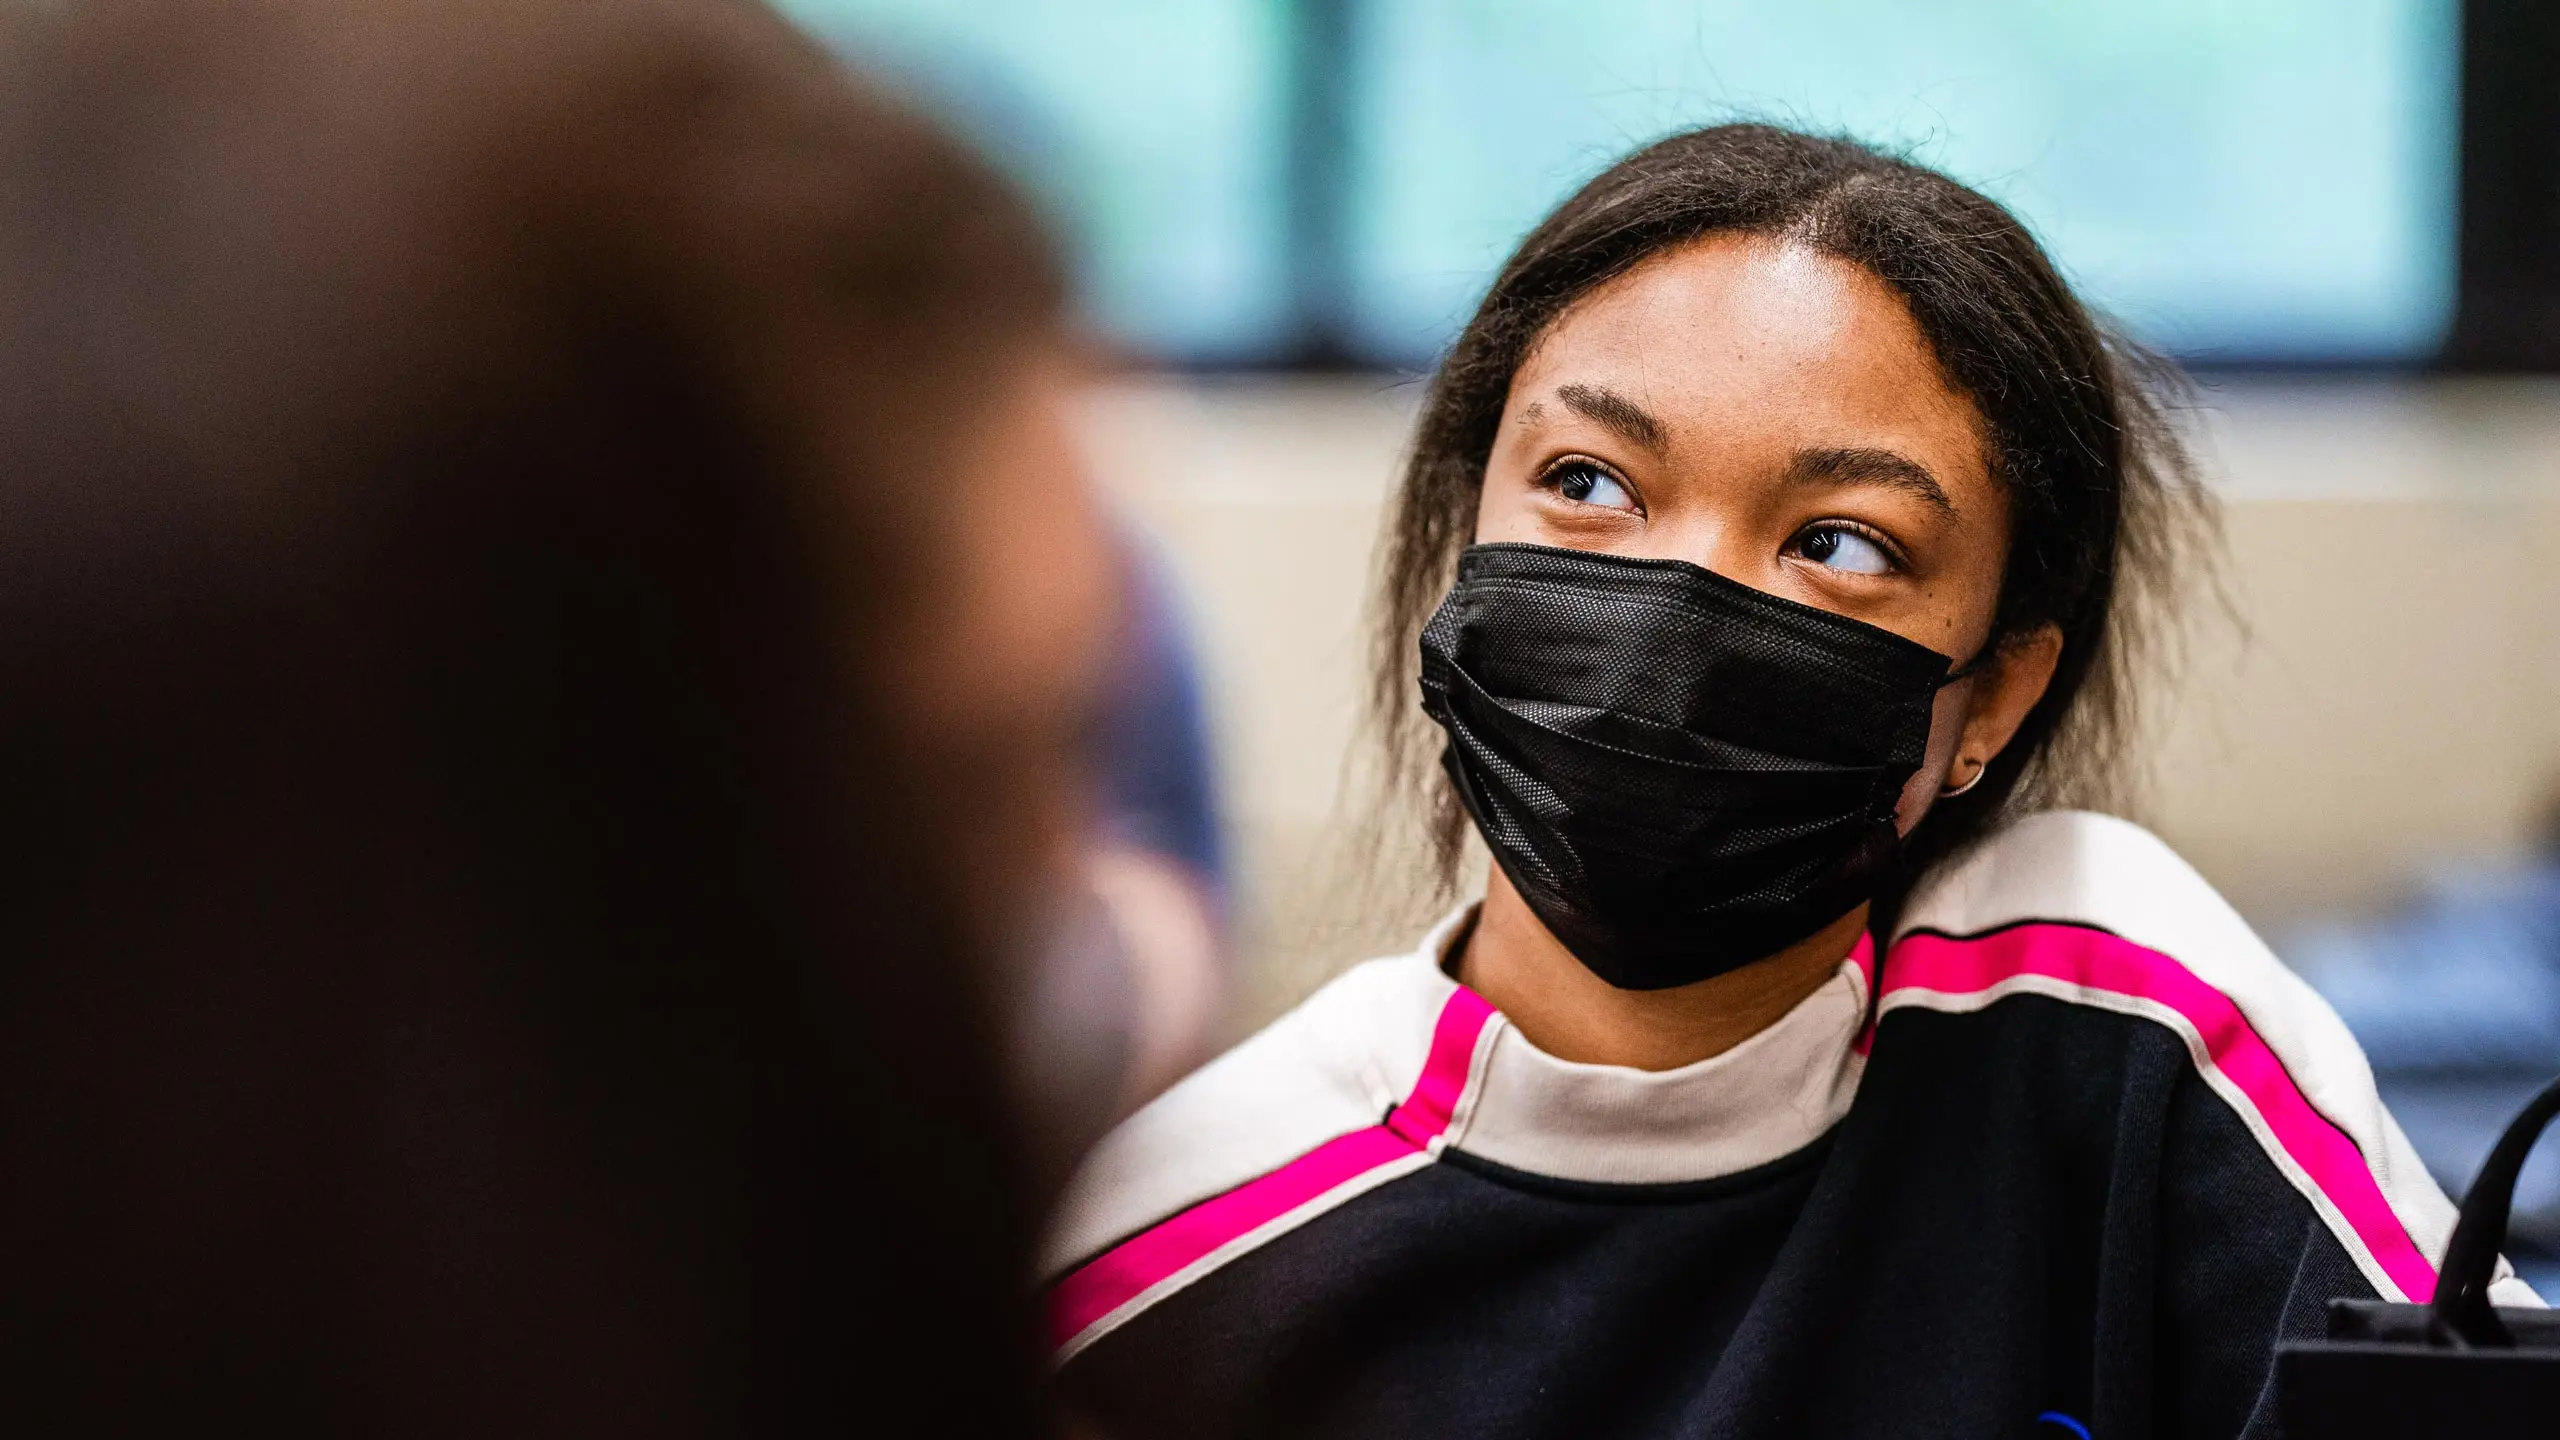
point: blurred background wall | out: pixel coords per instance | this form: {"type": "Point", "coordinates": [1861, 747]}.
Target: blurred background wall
{"type": "Point", "coordinates": [2343, 215]}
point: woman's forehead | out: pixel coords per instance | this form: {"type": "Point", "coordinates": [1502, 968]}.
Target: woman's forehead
{"type": "Point", "coordinates": [1741, 340]}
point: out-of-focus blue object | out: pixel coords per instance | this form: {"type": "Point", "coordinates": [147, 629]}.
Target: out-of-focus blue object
{"type": "Point", "coordinates": [1159, 782]}
{"type": "Point", "coordinates": [2456, 1000]}
{"type": "Point", "coordinates": [2239, 180]}
{"type": "Point", "coordinates": [2466, 978]}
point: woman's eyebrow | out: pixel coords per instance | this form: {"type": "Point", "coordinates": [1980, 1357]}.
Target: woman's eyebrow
{"type": "Point", "coordinates": [1607, 407]}
{"type": "Point", "coordinates": [1856, 466]}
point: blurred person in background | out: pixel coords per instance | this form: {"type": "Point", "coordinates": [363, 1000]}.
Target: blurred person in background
{"type": "Point", "coordinates": [1776, 555]}
{"type": "Point", "coordinates": [552, 643]}
{"type": "Point", "coordinates": [1134, 993]}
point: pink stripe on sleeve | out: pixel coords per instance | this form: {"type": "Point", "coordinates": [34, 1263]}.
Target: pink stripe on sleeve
{"type": "Point", "coordinates": [2096, 960]}
{"type": "Point", "coordinates": [1103, 1286]}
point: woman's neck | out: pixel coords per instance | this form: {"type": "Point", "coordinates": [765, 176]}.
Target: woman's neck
{"type": "Point", "coordinates": [1558, 1005]}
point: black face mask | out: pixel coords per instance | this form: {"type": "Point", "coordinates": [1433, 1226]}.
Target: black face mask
{"type": "Point", "coordinates": [1681, 774]}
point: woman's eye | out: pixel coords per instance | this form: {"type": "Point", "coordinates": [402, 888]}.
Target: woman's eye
{"type": "Point", "coordinates": [1590, 485]}
{"type": "Point", "coordinates": [1844, 550]}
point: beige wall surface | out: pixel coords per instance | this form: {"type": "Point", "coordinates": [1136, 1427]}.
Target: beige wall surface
{"type": "Point", "coordinates": [2389, 697]}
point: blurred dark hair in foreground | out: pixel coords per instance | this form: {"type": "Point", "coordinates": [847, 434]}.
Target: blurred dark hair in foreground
{"type": "Point", "coordinates": [475, 956]}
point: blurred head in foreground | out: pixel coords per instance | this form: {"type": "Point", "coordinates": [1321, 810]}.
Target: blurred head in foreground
{"type": "Point", "coordinates": [524, 728]}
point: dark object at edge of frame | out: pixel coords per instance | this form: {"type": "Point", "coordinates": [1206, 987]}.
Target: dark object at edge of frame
{"type": "Point", "coordinates": [2455, 1367]}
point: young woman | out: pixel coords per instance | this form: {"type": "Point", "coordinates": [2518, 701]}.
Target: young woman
{"type": "Point", "coordinates": [1776, 523]}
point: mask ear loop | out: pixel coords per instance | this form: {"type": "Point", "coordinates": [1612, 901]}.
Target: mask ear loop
{"type": "Point", "coordinates": [1967, 671]}
{"type": "Point", "coordinates": [1970, 668]}
{"type": "Point", "coordinates": [1875, 989]}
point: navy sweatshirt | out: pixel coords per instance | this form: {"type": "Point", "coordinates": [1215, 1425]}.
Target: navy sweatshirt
{"type": "Point", "coordinates": [2070, 1162]}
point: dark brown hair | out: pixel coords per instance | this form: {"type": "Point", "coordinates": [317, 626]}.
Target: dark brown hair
{"type": "Point", "coordinates": [2103, 498]}
{"type": "Point", "coordinates": [476, 961]}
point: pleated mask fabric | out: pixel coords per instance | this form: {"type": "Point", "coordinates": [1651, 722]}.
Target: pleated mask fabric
{"type": "Point", "coordinates": [1680, 773]}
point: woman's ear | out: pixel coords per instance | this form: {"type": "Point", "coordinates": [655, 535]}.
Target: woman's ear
{"type": "Point", "coordinates": [2009, 687]}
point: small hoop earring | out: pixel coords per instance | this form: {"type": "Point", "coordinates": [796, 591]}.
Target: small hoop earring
{"type": "Point", "coordinates": [1978, 772]}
